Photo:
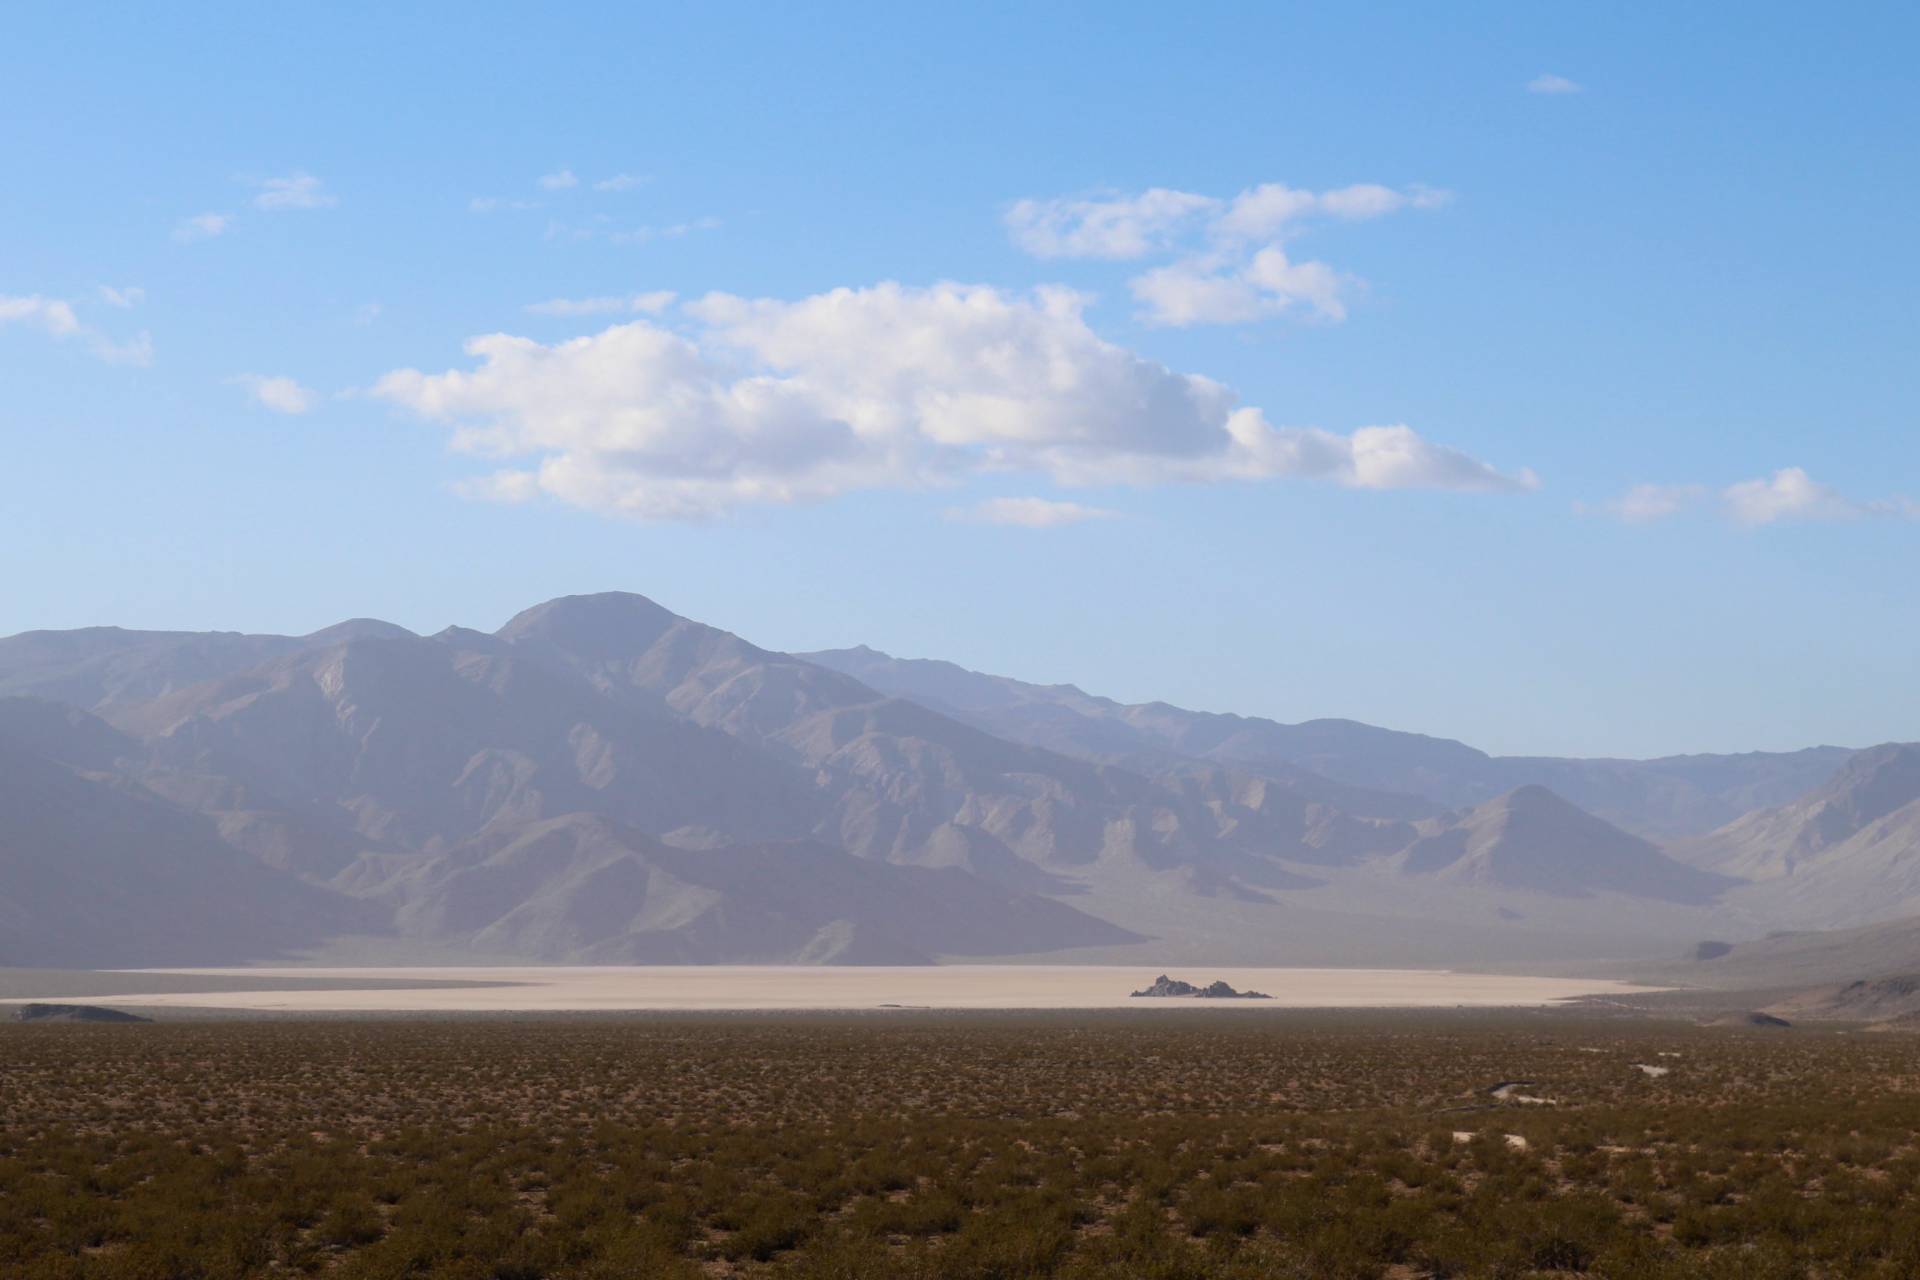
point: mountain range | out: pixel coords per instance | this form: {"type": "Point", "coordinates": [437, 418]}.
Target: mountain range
{"type": "Point", "coordinates": [601, 780]}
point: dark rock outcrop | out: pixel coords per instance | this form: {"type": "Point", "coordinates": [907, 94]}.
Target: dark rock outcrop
{"type": "Point", "coordinates": [73, 1013]}
{"type": "Point", "coordinates": [1163, 986]}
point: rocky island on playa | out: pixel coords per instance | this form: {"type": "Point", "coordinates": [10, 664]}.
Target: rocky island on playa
{"type": "Point", "coordinates": [1165, 986]}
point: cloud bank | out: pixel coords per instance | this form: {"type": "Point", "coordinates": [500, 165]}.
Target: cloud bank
{"type": "Point", "coordinates": [888, 387]}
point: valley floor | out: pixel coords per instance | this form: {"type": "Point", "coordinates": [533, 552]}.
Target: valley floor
{"type": "Point", "coordinates": [615, 988]}
{"type": "Point", "coordinates": [965, 1146]}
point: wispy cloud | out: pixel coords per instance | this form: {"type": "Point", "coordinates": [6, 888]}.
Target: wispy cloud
{"type": "Point", "coordinates": [297, 190]}
{"type": "Point", "coordinates": [57, 318]}
{"type": "Point", "coordinates": [645, 303]}
{"type": "Point", "coordinates": [202, 226]}
{"type": "Point", "coordinates": [1029, 513]}
{"type": "Point", "coordinates": [883, 387]}
{"type": "Point", "coordinates": [1785, 496]}
{"type": "Point", "coordinates": [1229, 260]}
{"type": "Point", "coordinates": [621, 182]}
{"type": "Point", "coordinates": [367, 312]}
{"type": "Point", "coordinates": [488, 204]}
{"type": "Point", "coordinates": [559, 180]}
{"type": "Point", "coordinates": [125, 299]}
{"type": "Point", "coordinates": [279, 394]}
{"type": "Point", "coordinates": [1547, 82]}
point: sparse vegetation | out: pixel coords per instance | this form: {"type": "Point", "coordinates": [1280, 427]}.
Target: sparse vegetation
{"type": "Point", "coordinates": [976, 1148]}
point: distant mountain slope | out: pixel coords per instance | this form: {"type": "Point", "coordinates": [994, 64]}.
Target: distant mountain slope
{"type": "Point", "coordinates": [1532, 839]}
{"type": "Point", "coordinates": [97, 872]}
{"type": "Point", "coordinates": [1846, 854]}
{"type": "Point", "coordinates": [583, 888]}
{"type": "Point", "coordinates": [1674, 796]}
{"type": "Point", "coordinates": [97, 668]}
{"type": "Point", "coordinates": [603, 779]}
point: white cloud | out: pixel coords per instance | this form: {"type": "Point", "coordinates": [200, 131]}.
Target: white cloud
{"type": "Point", "coordinates": [1028, 513]}
{"type": "Point", "coordinates": [126, 299]}
{"type": "Point", "coordinates": [56, 318]}
{"type": "Point", "coordinates": [621, 182]}
{"type": "Point", "coordinates": [298, 190]}
{"type": "Point", "coordinates": [50, 315]}
{"type": "Point", "coordinates": [1229, 264]}
{"type": "Point", "coordinates": [643, 303]}
{"type": "Point", "coordinates": [882, 387]}
{"type": "Point", "coordinates": [1219, 289]}
{"type": "Point", "coordinates": [1119, 227]}
{"type": "Point", "coordinates": [1788, 494]}
{"type": "Point", "coordinates": [1547, 82]}
{"type": "Point", "coordinates": [487, 204]}
{"type": "Point", "coordinates": [1646, 503]}
{"type": "Point", "coordinates": [202, 226]}
{"type": "Point", "coordinates": [136, 351]}
{"type": "Point", "coordinates": [559, 180]}
{"type": "Point", "coordinates": [367, 312]}
{"type": "Point", "coordinates": [282, 395]}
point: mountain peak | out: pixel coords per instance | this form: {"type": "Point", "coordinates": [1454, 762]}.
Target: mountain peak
{"type": "Point", "coordinates": [357, 629]}
{"type": "Point", "coordinates": [603, 625]}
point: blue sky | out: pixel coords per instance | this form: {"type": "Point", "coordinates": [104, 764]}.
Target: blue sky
{"type": "Point", "coordinates": [1126, 294]}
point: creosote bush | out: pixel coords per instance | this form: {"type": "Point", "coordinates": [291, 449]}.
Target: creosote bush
{"type": "Point", "coordinates": [950, 1147]}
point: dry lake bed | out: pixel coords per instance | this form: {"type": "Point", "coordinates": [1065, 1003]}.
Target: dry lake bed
{"type": "Point", "coordinates": [616, 988]}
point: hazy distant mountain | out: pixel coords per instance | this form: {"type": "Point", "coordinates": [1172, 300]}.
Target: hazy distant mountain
{"type": "Point", "coordinates": [602, 779]}
{"type": "Point", "coordinates": [100, 667]}
{"type": "Point", "coordinates": [1674, 796]}
{"type": "Point", "coordinates": [583, 888]}
{"type": "Point", "coordinates": [1532, 839]}
{"type": "Point", "coordinates": [1847, 853]}
{"type": "Point", "coordinates": [95, 870]}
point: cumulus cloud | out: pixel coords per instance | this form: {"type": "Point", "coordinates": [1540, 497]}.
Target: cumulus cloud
{"type": "Point", "coordinates": [126, 299]}
{"type": "Point", "coordinates": [559, 180]}
{"type": "Point", "coordinates": [1547, 82]}
{"type": "Point", "coordinates": [56, 318]}
{"type": "Point", "coordinates": [297, 190]}
{"type": "Point", "coordinates": [1028, 513]}
{"type": "Point", "coordinates": [1228, 264]}
{"type": "Point", "coordinates": [774, 401]}
{"type": "Point", "coordinates": [652, 303]}
{"type": "Point", "coordinates": [202, 226]}
{"type": "Point", "coordinates": [280, 394]}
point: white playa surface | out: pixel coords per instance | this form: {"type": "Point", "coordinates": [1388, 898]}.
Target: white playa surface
{"type": "Point", "coordinates": [617, 988]}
